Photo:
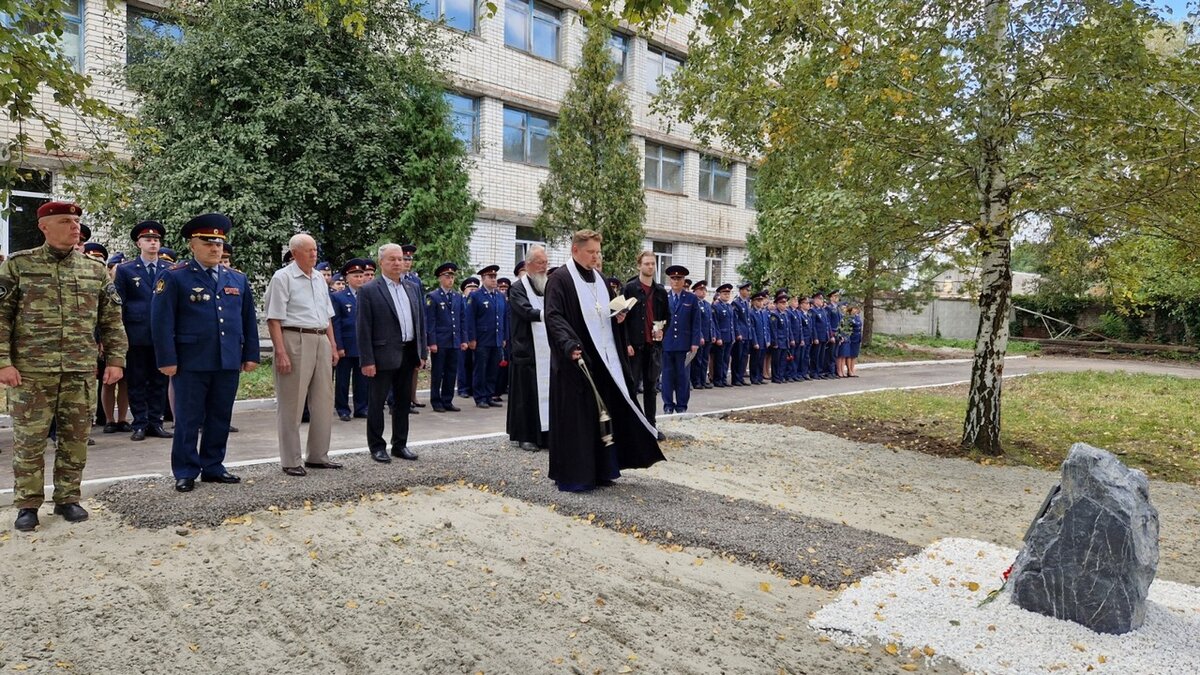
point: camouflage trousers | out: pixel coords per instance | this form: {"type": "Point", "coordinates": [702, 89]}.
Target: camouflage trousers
{"type": "Point", "coordinates": [42, 398]}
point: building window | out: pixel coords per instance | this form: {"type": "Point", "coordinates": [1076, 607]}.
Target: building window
{"type": "Point", "coordinates": [143, 30]}
{"type": "Point", "coordinates": [459, 14]}
{"type": "Point", "coordinates": [532, 27]}
{"type": "Point", "coordinates": [662, 258]}
{"type": "Point", "coordinates": [69, 44]}
{"type": "Point", "coordinates": [618, 47]}
{"type": "Point", "coordinates": [659, 64]}
{"type": "Point", "coordinates": [18, 218]}
{"type": "Point", "coordinates": [751, 188]}
{"type": "Point", "coordinates": [526, 137]}
{"type": "Point", "coordinates": [464, 119]}
{"type": "Point", "coordinates": [714, 265]}
{"type": "Point", "coordinates": [715, 176]}
{"type": "Point", "coordinates": [526, 239]}
{"type": "Point", "coordinates": [664, 168]}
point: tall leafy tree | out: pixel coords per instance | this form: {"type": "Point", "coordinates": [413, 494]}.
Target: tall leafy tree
{"type": "Point", "coordinates": [595, 179]}
{"type": "Point", "coordinates": [288, 123]}
{"type": "Point", "coordinates": [995, 113]}
{"type": "Point", "coordinates": [36, 59]}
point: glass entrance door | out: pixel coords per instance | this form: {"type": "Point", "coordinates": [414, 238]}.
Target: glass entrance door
{"type": "Point", "coordinates": [18, 228]}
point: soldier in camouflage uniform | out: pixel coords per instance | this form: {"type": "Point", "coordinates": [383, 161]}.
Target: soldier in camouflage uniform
{"type": "Point", "coordinates": [52, 301]}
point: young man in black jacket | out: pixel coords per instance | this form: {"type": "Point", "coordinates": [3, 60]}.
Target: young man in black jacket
{"type": "Point", "coordinates": [643, 339]}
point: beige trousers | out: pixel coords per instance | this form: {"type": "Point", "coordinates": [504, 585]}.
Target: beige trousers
{"type": "Point", "coordinates": [311, 377]}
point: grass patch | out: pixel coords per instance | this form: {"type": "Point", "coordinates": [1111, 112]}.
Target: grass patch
{"type": "Point", "coordinates": [886, 347]}
{"type": "Point", "coordinates": [261, 382]}
{"type": "Point", "coordinates": [1149, 421]}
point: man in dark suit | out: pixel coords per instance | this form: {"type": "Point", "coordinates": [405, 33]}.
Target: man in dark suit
{"type": "Point", "coordinates": [205, 331]}
{"type": "Point", "coordinates": [644, 340]}
{"type": "Point", "coordinates": [391, 345]}
{"type": "Point", "coordinates": [135, 283]}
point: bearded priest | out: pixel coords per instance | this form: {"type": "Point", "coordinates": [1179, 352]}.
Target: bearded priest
{"type": "Point", "coordinates": [586, 450]}
{"type": "Point", "coordinates": [528, 421]}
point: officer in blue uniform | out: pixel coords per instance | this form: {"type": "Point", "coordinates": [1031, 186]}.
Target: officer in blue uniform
{"type": "Point", "coordinates": [345, 333]}
{"type": "Point", "coordinates": [502, 285]}
{"type": "Point", "coordinates": [486, 323]}
{"type": "Point", "coordinates": [834, 312]}
{"type": "Point", "coordinates": [722, 320]}
{"type": "Point", "coordinates": [407, 274]}
{"type": "Point", "coordinates": [820, 345]}
{"type": "Point", "coordinates": [466, 360]}
{"type": "Point", "coordinates": [96, 251]}
{"type": "Point", "coordinates": [804, 338]}
{"type": "Point", "coordinates": [743, 334]}
{"type": "Point", "coordinates": [205, 331]}
{"type": "Point", "coordinates": [681, 336]}
{"type": "Point", "coordinates": [444, 335]}
{"type": "Point", "coordinates": [781, 339]}
{"type": "Point", "coordinates": [760, 336]}
{"type": "Point", "coordinates": [135, 281]}
{"type": "Point", "coordinates": [699, 374]}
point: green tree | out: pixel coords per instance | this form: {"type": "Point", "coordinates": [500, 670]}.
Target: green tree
{"type": "Point", "coordinates": [595, 179]}
{"type": "Point", "coordinates": [35, 59]}
{"type": "Point", "coordinates": [286, 123]}
{"type": "Point", "coordinates": [997, 113]}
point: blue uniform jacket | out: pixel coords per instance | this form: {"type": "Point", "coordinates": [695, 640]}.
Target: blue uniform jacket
{"type": "Point", "coordinates": [135, 285]}
{"type": "Point", "coordinates": [345, 315]}
{"type": "Point", "coordinates": [834, 317]}
{"type": "Point", "coordinates": [856, 322]}
{"type": "Point", "coordinates": [820, 323]}
{"type": "Point", "coordinates": [794, 331]}
{"type": "Point", "coordinates": [682, 331]}
{"type": "Point", "coordinates": [486, 318]}
{"type": "Point", "coordinates": [722, 313]}
{"type": "Point", "coordinates": [706, 322]}
{"type": "Point", "coordinates": [200, 325]}
{"type": "Point", "coordinates": [741, 318]}
{"type": "Point", "coordinates": [780, 334]}
{"type": "Point", "coordinates": [760, 329]}
{"type": "Point", "coordinates": [806, 326]}
{"type": "Point", "coordinates": [444, 318]}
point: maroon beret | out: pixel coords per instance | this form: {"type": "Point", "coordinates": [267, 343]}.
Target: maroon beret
{"type": "Point", "coordinates": [58, 209]}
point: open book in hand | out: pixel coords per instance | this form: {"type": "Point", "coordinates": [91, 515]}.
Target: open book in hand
{"type": "Point", "coordinates": [621, 304]}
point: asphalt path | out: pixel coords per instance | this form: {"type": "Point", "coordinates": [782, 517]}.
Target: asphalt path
{"type": "Point", "coordinates": [115, 457]}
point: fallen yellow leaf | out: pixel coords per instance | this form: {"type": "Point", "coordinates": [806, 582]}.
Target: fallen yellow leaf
{"type": "Point", "coordinates": [972, 586]}
{"type": "Point", "coordinates": [194, 647]}
{"type": "Point", "coordinates": [350, 604]}
{"type": "Point", "coordinates": [928, 651]}
{"type": "Point", "coordinates": [806, 580]}
{"type": "Point", "coordinates": [892, 649]}
{"type": "Point", "coordinates": [910, 667]}
{"type": "Point", "coordinates": [764, 587]}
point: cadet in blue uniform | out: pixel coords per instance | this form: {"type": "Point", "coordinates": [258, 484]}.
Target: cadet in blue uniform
{"type": "Point", "coordinates": [722, 313]}
{"type": "Point", "coordinates": [681, 336]}
{"type": "Point", "coordinates": [820, 342]}
{"type": "Point", "coordinates": [205, 331]}
{"type": "Point", "coordinates": [345, 315]}
{"type": "Point", "coordinates": [781, 339]}
{"type": "Point", "coordinates": [486, 323]}
{"type": "Point", "coordinates": [793, 315]}
{"type": "Point", "coordinates": [466, 360]}
{"type": "Point", "coordinates": [135, 281]}
{"type": "Point", "coordinates": [742, 335]}
{"type": "Point", "coordinates": [502, 286]}
{"type": "Point", "coordinates": [760, 336]}
{"type": "Point", "coordinates": [804, 339]}
{"type": "Point", "coordinates": [407, 274]}
{"type": "Point", "coordinates": [699, 370]}
{"type": "Point", "coordinates": [834, 312]}
{"type": "Point", "coordinates": [444, 335]}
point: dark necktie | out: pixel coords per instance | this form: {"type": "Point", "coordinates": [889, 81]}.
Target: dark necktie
{"type": "Point", "coordinates": [212, 272]}
{"type": "Point", "coordinates": [152, 270]}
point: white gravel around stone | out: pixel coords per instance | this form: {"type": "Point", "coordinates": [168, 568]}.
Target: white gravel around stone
{"type": "Point", "coordinates": [926, 607]}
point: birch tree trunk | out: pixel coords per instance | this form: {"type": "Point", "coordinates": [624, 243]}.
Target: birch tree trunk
{"type": "Point", "coordinates": [981, 429]}
{"type": "Point", "coordinates": [868, 309]}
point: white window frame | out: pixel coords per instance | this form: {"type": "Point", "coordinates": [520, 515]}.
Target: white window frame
{"type": "Point", "coordinates": [654, 153]}
{"type": "Point", "coordinates": [710, 168]}
{"type": "Point", "coordinates": [472, 144]}
{"type": "Point", "coordinates": [664, 254]}
{"type": "Point", "coordinates": [660, 63]}
{"type": "Point", "coordinates": [527, 133]}
{"type": "Point", "coordinates": [751, 188]}
{"type": "Point", "coordinates": [529, 10]}
{"type": "Point", "coordinates": [72, 19]}
{"type": "Point", "coordinates": [619, 44]}
{"type": "Point", "coordinates": [714, 265]}
{"type": "Point", "coordinates": [435, 10]}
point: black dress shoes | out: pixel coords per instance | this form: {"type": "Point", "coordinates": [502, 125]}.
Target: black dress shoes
{"type": "Point", "coordinates": [381, 455]}
{"type": "Point", "coordinates": [185, 484]}
{"type": "Point", "coordinates": [323, 465]}
{"type": "Point", "coordinates": [221, 478]}
{"type": "Point", "coordinates": [138, 435]}
{"type": "Point", "coordinates": [453, 408]}
{"type": "Point", "coordinates": [295, 471]}
{"type": "Point", "coordinates": [482, 404]}
{"type": "Point", "coordinates": [124, 427]}
{"type": "Point", "coordinates": [526, 445]}
{"type": "Point", "coordinates": [418, 404]}
{"type": "Point", "coordinates": [344, 418]}
{"type": "Point", "coordinates": [72, 513]}
{"type": "Point", "coordinates": [496, 404]}
{"type": "Point", "coordinates": [158, 431]}
{"type": "Point", "coordinates": [27, 520]}
{"type": "Point", "coordinates": [404, 453]}
{"type": "Point", "coordinates": [112, 428]}
{"type": "Point", "coordinates": [662, 436]}
{"type": "Point", "coordinates": [439, 408]}
{"type": "Point", "coordinates": [233, 429]}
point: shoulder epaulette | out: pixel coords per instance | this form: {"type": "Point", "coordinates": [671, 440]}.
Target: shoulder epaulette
{"type": "Point", "coordinates": [21, 252]}
{"type": "Point", "coordinates": [178, 266]}
{"type": "Point", "coordinates": [132, 261]}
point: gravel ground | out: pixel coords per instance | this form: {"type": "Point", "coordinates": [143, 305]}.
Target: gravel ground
{"type": "Point", "coordinates": [793, 545]}
{"type": "Point", "coordinates": [929, 603]}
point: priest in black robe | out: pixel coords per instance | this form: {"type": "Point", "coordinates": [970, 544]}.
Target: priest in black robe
{"type": "Point", "coordinates": [528, 422]}
{"type": "Point", "coordinates": [579, 326]}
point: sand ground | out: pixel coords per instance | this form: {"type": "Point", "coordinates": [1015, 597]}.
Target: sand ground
{"type": "Point", "coordinates": [456, 579]}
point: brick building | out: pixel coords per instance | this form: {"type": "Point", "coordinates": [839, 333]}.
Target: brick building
{"type": "Point", "coordinates": [509, 79]}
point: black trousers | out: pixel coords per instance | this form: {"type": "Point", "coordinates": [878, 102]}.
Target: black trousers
{"type": "Point", "coordinates": [147, 386]}
{"type": "Point", "coordinates": [444, 369]}
{"type": "Point", "coordinates": [345, 373]}
{"type": "Point", "coordinates": [647, 367]}
{"type": "Point", "coordinates": [398, 383]}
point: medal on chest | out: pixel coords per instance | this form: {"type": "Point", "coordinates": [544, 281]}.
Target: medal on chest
{"type": "Point", "coordinates": [199, 295]}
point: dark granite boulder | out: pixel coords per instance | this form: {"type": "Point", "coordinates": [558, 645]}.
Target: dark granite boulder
{"type": "Point", "coordinates": [1091, 554]}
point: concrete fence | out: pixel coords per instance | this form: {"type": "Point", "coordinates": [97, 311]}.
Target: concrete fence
{"type": "Point", "coordinates": [950, 317]}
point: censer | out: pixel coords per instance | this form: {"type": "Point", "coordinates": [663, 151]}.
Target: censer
{"type": "Point", "coordinates": [606, 431]}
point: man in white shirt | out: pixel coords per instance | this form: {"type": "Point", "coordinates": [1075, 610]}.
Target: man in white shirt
{"type": "Point", "coordinates": [299, 314]}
